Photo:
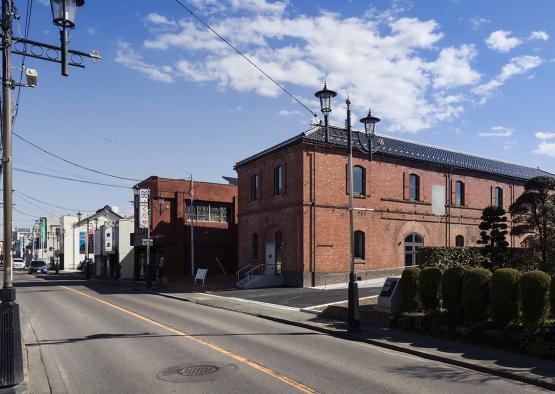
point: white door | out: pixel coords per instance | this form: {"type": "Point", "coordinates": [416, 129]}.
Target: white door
{"type": "Point", "coordinates": [270, 258]}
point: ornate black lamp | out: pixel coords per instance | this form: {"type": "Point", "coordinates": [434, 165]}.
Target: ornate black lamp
{"type": "Point", "coordinates": [369, 126]}
{"type": "Point", "coordinates": [325, 95]}
{"type": "Point", "coordinates": [63, 16]}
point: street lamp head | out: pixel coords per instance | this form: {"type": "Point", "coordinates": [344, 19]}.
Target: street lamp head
{"type": "Point", "coordinates": [369, 123]}
{"type": "Point", "coordinates": [325, 95]}
{"type": "Point", "coordinates": [136, 191]}
{"type": "Point", "coordinates": [63, 12]}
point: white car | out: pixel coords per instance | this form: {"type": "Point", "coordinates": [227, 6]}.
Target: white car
{"type": "Point", "coordinates": [18, 264]}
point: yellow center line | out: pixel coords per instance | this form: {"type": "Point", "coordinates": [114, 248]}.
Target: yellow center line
{"type": "Point", "coordinates": [276, 375]}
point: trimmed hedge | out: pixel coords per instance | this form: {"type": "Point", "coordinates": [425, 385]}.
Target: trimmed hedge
{"type": "Point", "coordinates": [534, 287]}
{"type": "Point", "coordinates": [505, 296]}
{"type": "Point", "coordinates": [428, 287]}
{"type": "Point", "coordinates": [451, 289]}
{"type": "Point", "coordinates": [409, 289]}
{"type": "Point", "coordinates": [475, 294]}
{"type": "Point", "coordinates": [552, 296]}
{"type": "Point", "coordinates": [445, 257]}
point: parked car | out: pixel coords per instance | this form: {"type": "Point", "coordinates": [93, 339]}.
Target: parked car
{"type": "Point", "coordinates": [18, 263]}
{"type": "Point", "coordinates": [38, 266]}
{"type": "Point", "coordinates": [83, 265]}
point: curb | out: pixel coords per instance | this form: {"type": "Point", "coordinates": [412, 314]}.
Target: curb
{"type": "Point", "coordinates": [384, 344]}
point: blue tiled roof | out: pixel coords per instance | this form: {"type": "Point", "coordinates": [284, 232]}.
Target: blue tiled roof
{"type": "Point", "coordinates": [404, 149]}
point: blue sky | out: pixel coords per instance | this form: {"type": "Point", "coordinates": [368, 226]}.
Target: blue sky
{"type": "Point", "coordinates": [169, 98]}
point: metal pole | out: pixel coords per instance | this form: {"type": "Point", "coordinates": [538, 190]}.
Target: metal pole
{"type": "Point", "coordinates": [11, 365]}
{"type": "Point", "coordinates": [63, 41]}
{"type": "Point", "coordinates": [326, 124]}
{"type": "Point", "coordinates": [148, 267]}
{"type": "Point", "coordinates": [353, 306]}
{"type": "Point", "coordinates": [192, 199]}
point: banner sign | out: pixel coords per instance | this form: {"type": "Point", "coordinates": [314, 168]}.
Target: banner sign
{"type": "Point", "coordinates": [144, 216]}
{"type": "Point", "coordinates": [90, 239]}
{"type": "Point", "coordinates": [82, 242]}
{"type": "Point", "coordinates": [108, 239]}
{"type": "Point", "coordinates": [42, 232]}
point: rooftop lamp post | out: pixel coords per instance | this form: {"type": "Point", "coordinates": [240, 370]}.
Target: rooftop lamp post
{"type": "Point", "coordinates": [325, 95]}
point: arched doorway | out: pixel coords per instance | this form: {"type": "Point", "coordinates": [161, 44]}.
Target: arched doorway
{"type": "Point", "coordinates": [413, 243]}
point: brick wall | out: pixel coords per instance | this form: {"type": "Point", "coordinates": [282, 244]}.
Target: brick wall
{"type": "Point", "coordinates": [313, 213]}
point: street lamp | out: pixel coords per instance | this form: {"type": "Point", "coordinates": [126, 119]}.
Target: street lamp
{"type": "Point", "coordinates": [369, 122]}
{"type": "Point", "coordinates": [63, 16]}
{"type": "Point", "coordinates": [325, 95]}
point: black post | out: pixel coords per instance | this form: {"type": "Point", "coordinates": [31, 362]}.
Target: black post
{"type": "Point", "coordinates": [353, 305]}
{"type": "Point", "coordinates": [63, 42]}
{"type": "Point", "coordinates": [326, 125]}
{"type": "Point", "coordinates": [11, 365]}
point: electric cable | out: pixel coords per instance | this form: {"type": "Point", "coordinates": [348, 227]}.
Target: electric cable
{"type": "Point", "coordinates": [246, 58]}
{"type": "Point", "coordinates": [73, 163]}
{"type": "Point", "coordinates": [70, 179]}
{"type": "Point", "coordinates": [50, 204]}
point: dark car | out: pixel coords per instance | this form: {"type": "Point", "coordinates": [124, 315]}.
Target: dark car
{"type": "Point", "coordinates": [38, 266]}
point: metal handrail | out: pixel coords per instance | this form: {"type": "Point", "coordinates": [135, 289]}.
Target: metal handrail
{"type": "Point", "coordinates": [251, 272]}
{"type": "Point", "coordinates": [241, 270]}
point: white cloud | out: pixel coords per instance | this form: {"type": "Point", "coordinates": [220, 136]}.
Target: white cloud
{"type": "Point", "coordinates": [45, 3]}
{"type": "Point", "coordinates": [546, 148]}
{"type": "Point", "coordinates": [91, 30]}
{"type": "Point", "coordinates": [158, 19]}
{"type": "Point", "coordinates": [127, 57]}
{"type": "Point", "coordinates": [285, 112]}
{"type": "Point", "coordinates": [501, 42]}
{"type": "Point", "coordinates": [452, 67]}
{"type": "Point", "coordinates": [539, 35]}
{"type": "Point", "coordinates": [478, 22]}
{"type": "Point", "coordinates": [517, 65]}
{"type": "Point", "coordinates": [497, 131]}
{"type": "Point", "coordinates": [545, 135]}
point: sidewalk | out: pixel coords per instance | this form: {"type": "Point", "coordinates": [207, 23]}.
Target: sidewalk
{"type": "Point", "coordinates": [513, 366]}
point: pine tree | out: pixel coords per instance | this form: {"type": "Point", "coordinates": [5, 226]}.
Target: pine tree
{"type": "Point", "coordinates": [494, 228]}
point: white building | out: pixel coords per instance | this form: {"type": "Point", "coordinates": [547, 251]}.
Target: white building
{"type": "Point", "coordinates": [113, 250]}
{"type": "Point", "coordinates": [77, 235]}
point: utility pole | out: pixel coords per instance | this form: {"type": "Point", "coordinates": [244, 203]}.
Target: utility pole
{"type": "Point", "coordinates": [148, 267]}
{"type": "Point", "coordinates": [193, 214]}
{"type": "Point", "coordinates": [11, 365]}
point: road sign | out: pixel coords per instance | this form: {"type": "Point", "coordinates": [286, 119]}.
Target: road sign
{"type": "Point", "coordinates": [145, 242]}
{"type": "Point", "coordinates": [144, 216]}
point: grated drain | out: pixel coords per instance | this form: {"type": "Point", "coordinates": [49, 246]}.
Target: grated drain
{"type": "Point", "coordinates": [197, 370]}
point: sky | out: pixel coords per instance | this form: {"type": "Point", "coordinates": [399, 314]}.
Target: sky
{"type": "Point", "coordinates": [169, 98]}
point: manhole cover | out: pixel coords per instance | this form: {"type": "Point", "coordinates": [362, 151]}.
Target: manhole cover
{"type": "Point", "coordinates": [197, 370]}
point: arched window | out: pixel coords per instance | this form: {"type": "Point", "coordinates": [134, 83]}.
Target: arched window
{"type": "Point", "coordinates": [359, 245]}
{"type": "Point", "coordinates": [413, 243]}
{"type": "Point", "coordinates": [414, 187]}
{"type": "Point", "coordinates": [459, 241]}
{"type": "Point", "coordinates": [254, 245]}
{"type": "Point", "coordinates": [499, 197]}
{"type": "Point", "coordinates": [359, 180]}
{"type": "Point", "coordinates": [278, 181]}
{"type": "Point", "coordinates": [459, 193]}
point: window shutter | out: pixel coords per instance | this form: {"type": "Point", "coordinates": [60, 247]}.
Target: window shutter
{"type": "Point", "coordinates": [284, 178]}
{"type": "Point", "coordinates": [368, 176]}
{"type": "Point", "coordinates": [420, 189]}
{"type": "Point", "coordinates": [492, 196]}
{"type": "Point", "coordinates": [259, 188]}
{"type": "Point", "coordinates": [405, 186]}
{"type": "Point", "coordinates": [453, 193]}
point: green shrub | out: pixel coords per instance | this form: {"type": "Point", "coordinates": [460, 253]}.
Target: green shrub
{"type": "Point", "coordinates": [409, 289]}
{"type": "Point", "coordinates": [475, 294]}
{"type": "Point", "coordinates": [505, 296]}
{"type": "Point", "coordinates": [534, 288]}
{"type": "Point", "coordinates": [428, 287]}
{"type": "Point", "coordinates": [448, 257]}
{"type": "Point", "coordinates": [451, 289]}
{"type": "Point", "coordinates": [552, 296]}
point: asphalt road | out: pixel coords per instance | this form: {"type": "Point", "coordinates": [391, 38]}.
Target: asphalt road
{"type": "Point", "coordinates": [297, 297]}
{"type": "Point", "coordinates": [94, 338]}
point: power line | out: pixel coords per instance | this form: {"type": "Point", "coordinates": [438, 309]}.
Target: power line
{"type": "Point", "coordinates": [70, 179]}
{"type": "Point", "coordinates": [73, 163]}
{"type": "Point", "coordinates": [246, 58]}
{"type": "Point", "coordinates": [46, 203]}
{"type": "Point", "coordinates": [26, 35]}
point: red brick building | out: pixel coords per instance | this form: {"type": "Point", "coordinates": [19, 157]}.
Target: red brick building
{"type": "Point", "coordinates": [293, 204]}
{"type": "Point", "coordinates": [215, 227]}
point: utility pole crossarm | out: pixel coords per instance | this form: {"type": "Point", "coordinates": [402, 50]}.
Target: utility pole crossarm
{"type": "Point", "coordinates": [52, 53]}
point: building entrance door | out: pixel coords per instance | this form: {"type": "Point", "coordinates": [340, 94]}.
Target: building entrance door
{"type": "Point", "coordinates": [270, 258]}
